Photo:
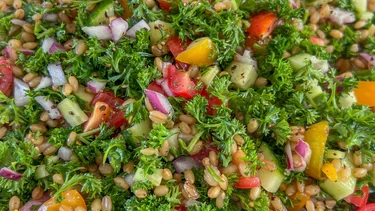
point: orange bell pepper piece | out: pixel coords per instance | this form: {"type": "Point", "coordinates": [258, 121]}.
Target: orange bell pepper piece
{"type": "Point", "coordinates": [299, 201]}
{"type": "Point", "coordinates": [330, 171]}
{"type": "Point", "coordinates": [72, 199]}
{"type": "Point", "coordinates": [262, 24]}
{"type": "Point", "coordinates": [199, 52]}
{"type": "Point", "coordinates": [101, 113]}
{"type": "Point", "coordinates": [316, 136]}
{"type": "Point", "coordinates": [365, 93]}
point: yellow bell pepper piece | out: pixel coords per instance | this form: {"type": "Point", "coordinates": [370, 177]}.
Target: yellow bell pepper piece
{"type": "Point", "coordinates": [199, 52]}
{"type": "Point", "coordinates": [316, 136]}
{"type": "Point", "coordinates": [330, 171]}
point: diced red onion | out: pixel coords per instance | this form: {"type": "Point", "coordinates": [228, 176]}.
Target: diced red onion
{"type": "Point", "coordinates": [341, 16]}
{"type": "Point", "coordinates": [55, 47]}
{"type": "Point", "coordinates": [192, 203]}
{"type": "Point", "coordinates": [44, 83]}
{"type": "Point", "coordinates": [289, 157]}
{"type": "Point", "coordinates": [119, 27]}
{"type": "Point", "coordinates": [184, 163]}
{"type": "Point", "coordinates": [35, 202]}
{"type": "Point", "coordinates": [27, 52]}
{"type": "Point", "coordinates": [49, 106]}
{"type": "Point", "coordinates": [57, 74]}
{"type": "Point", "coordinates": [164, 85]}
{"type": "Point", "coordinates": [52, 17]}
{"type": "Point", "coordinates": [159, 102]}
{"type": "Point", "coordinates": [47, 43]}
{"type": "Point", "coordinates": [10, 174]}
{"type": "Point", "coordinates": [20, 91]}
{"type": "Point", "coordinates": [302, 167]}
{"type": "Point", "coordinates": [368, 57]}
{"type": "Point", "coordinates": [130, 179]}
{"type": "Point", "coordinates": [320, 64]}
{"type": "Point", "coordinates": [294, 4]}
{"type": "Point", "coordinates": [65, 153]}
{"type": "Point", "coordinates": [138, 26]}
{"type": "Point", "coordinates": [101, 32]}
{"type": "Point", "coordinates": [246, 58]}
{"type": "Point", "coordinates": [303, 149]}
{"type": "Point", "coordinates": [159, 80]}
{"type": "Point", "coordinates": [165, 69]}
{"type": "Point", "coordinates": [6, 52]}
{"type": "Point", "coordinates": [18, 22]}
{"type": "Point", "coordinates": [185, 137]}
{"type": "Point", "coordinates": [95, 86]}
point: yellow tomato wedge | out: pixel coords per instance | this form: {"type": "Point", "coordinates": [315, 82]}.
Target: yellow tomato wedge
{"type": "Point", "coordinates": [365, 93]}
{"type": "Point", "coordinates": [316, 136]}
{"type": "Point", "coordinates": [199, 52]}
{"type": "Point", "coordinates": [72, 199]}
{"type": "Point", "coordinates": [330, 171]}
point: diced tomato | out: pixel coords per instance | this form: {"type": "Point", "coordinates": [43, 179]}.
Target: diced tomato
{"type": "Point", "coordinates": [176, 45]}
{"type": "Point", "coordinates": [180, 208]}
{"type": "Point", "coordinates": [204, 152]}
{"type": "Point", "coordinates": [247, 182]}
{"type": "Point", "coordinates": [165, 5]}
{"type": "Point", "coordinates": [262, 24]}
{"type": "Point", "coordinates": [156, 87]}
{"type": "Point", "coordinates": [117, 119]}
{"type": "Point", "coordinates": [317, 40]}
{"type": "Point", "coordinates": [109, 98]}
{"type": "Point", "coordinates": [358, 200]}
{"type": "Point", "coordinates": [367, 207]}
{"type": "Point", "coordinates": [6, 76]}
{"type": "Point", "coordinates": [212, 101]}
{"type": "Point", "coordinates": [180, 83]}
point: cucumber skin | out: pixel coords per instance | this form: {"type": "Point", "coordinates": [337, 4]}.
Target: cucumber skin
{"type": "Point", "coordinates": [140, 130]}
{"type": "Point", "coordinates": [98, 15]}
{"type": "Point", "coordinates": [270, 180]}
{"type": "Point", "coordinates": [208, 77]}
{"type": "Point", "coordinates": [243, 75]}
{"type": "Point", "coordinates": [299, 61]}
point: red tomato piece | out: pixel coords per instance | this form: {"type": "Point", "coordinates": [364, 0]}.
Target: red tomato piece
{"type": "Point", "coordinates": [176, 45]}
{"type": "Point", "coordinates": [212, 101]}
{"type": "Point", "coordinates": [204, 152]}
{"type": "Point", "coordinates": [156, 87]}
{"type": "Point", "coordinates": [247, 182]}
{"type": "Point", "coordinates": [317, 40]}
{"type": "Point", "coordinates": [262, 24]}
{"type": "Point", "coordinates": [165, 5]}
{"type": "Point", "coordinates": [367, 207]}
{"type": "Point", "coordinates": [357, 200]}
{"type": "Point", "coordinates": [109, 98]}
{"type": "Point", "coordinates": [6, 76]}
{"type": "Point", "coordinates": [180, 83]}
{"type": "Point", "coordinates": [180, 208]}
{"type": "Point", "coordinates": [117, 119]}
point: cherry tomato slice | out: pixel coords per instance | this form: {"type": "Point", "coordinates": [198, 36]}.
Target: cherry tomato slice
{"type": "Point", "coordinates": [180, 83]}
{"type": "Point", "coordinates": [165, 5]}
{"type": "Point", "coordinates": [117, 119]}
{"type": "Point", "coordinates": [176, 45]}
{"type": "Point", "coordinates": [367, 207]}
{"type": "Point", "coordinates": [247, 182]}
{"type": "Point", "coordinates": [156, 87]}
{"type": "Point", "coordinates": [109, 98]}
{"type": "Point", "coordinates": [204, 152]}
{"type": "Point", "coordinates": [212, 101]}
{"type": "Point", "coordinates": [262, 24]}
{"type": "Point", "coordinates": [317, 41]}
{"type": "Point", "coordinates": [6, 76]}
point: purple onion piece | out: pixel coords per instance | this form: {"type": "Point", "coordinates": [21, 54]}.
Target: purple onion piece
{"type": "Point", "coordinates": [184, 163]}
{"type": "Point", "coordinates": [55, 47]}
{"type": "Point", "coordinates": [101, 32]}
{"type": "Point", "coordinates": [289, 157]}
{"type": "Point", "coordinates": [95, 86]}
{"type": "Point", "coordinates": [10, 174]}
{"type": "Point", "coordinates": [159, 102]}
{"type": "Point", "coordinates": [57, 74]}
{"type": "Point", "coordinates": [138, 26]}
{"type": "Point", "coordinates": [49, 106]}
{"type": "Point", "coordinates": [20, 89]}
{"type": "Point", "coordinates": [166, 89]}
{"type": "Point", "coordinates": [368, 57]}
{"type": "Point", "coordinates": [119, 27]}
{"type": "Point", "coordinates": [47, 43]}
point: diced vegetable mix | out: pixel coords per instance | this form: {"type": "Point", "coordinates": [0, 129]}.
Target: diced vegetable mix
{"type": "Point", "coordinates": [187, 105]}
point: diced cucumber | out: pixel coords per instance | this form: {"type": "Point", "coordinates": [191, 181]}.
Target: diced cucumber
{"type": "Point", "coordinates": [234, 4]}
{"type": "Point", "coordinates": [40, 172]}
{"type": "Point", "coordinates": [313, 92]}
{"type": "Point", "coordinates": [154, 178]}
{"type": "Point", "coordinates": [270, 180]}
{"type": "Point", "coordinates": [140, 130]}
{"type": "Point", "coordinates": [72, 113]}
{"type": "Point", "coordinates": [367, 16]}
{"type": "Point", "coordinates": [51, 160]}
{"type": "Point", "coordinates": [347, 100]}
{"type": "Point", "coordinates": [299, 61]}
{"type": "Point", "coordinates": [83, 95]}
{"type": "Point", "coordinates": [101, 12]}
{"type": "Point", "coordinates": [208, 76]}
{"type": "Point", "coordinates": [160, 30]}
{"type": "Point", "coordinates": [360, 6]}
{"type": "Point", "coordinates": [339, 189]}
{"type": "Point", "coordinates": [243, 75]}
{"type": "Point", "coordinates": [331, 154]}
{"type": "Point", "coordinates": [173, 140]}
